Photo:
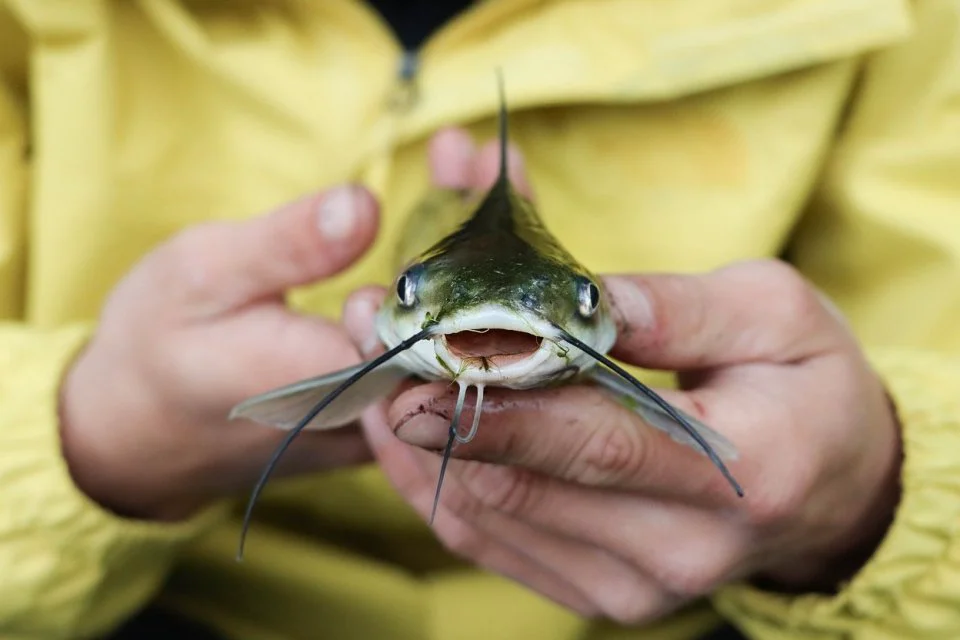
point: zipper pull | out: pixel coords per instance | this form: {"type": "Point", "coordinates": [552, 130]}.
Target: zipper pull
{"type": "Point", "coordinates": [406, 93]}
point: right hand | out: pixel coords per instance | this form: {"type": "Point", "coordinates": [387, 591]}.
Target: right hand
{"type": "Point", "coordinates": [197, 326]}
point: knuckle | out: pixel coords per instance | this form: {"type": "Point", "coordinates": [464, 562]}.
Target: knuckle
{"type": "Point", "coordinates": [696, 567]}
{"type": "Point", "coordinates": [631, 598]}
{"type": "Point", "coordinates": [461, 539]}
{"type": "Point", "coordinates": [305, 252]}
{"type": "Point", "coordinates": [794, 296]}
{"type": "Point", "coordinates": [294, 238]}
{"type": "Point", "coordinates": [771, 509]}
{"type": "Point", "coordinates": [611, 453]}
{"type": "Point", "coordinates": [455, 530]}
{"type": "Point", "coordinates": [625, 606]}
{"type": "Point", "coordinates": [774, 270]}
{"type": "Point", "coordinates": [480, 487]}
{"type": "Point", "coordinates": [689, 574]}
{"type": "Point", "coordinates": [506, 489]}
{"type": "Point", "coordinates": [194, 239]}
{"type": "Point", "coordinates": [187, 263]}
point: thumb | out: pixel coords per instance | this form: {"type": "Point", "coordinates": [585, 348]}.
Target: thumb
{"type": "Point", "coordinates": [754, 311]}
{"type": "Point", "coordinates": [312, 238]}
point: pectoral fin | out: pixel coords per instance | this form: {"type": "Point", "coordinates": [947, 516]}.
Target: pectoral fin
{"type": "Point", "coordinates": [286, 406]}
{"type": "Point", "coordinates": [656, 417]}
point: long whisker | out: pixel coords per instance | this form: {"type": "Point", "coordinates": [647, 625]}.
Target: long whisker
{"type": "Point", "coordinates": [454, 426]}
{"type": "Point", "coordinates": [663, 404]}
{"type": "Point", "coordinates": [313, 413]}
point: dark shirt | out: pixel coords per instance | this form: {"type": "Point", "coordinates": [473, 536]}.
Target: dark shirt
{"type": "Point", "coordinates": [413, 21]}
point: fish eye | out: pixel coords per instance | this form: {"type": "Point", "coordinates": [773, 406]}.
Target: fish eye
{"type": "Point", "coordinates": [588, 298]}
{"type": "Point", "coordinates": [406, 290]}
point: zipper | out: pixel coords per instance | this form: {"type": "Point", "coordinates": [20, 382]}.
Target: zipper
{"type": "Point", "coordinates": [406, 92]}
{"type": "Point", "coordinates": [401, 100]}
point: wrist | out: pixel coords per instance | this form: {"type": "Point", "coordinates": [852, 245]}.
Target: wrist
{"type": "Point", "coordinates": [826, 571]}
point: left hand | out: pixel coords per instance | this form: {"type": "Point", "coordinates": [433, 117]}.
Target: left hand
{"type": "Point", "coordinates": [570, 493]}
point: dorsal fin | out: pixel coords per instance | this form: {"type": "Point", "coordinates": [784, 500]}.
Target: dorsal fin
{"type": "Point", "coordinates": [503, 176]}
{"type": "Point", "coordinates": [497, 209]}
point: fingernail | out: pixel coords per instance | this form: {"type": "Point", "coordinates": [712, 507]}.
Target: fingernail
{"type": "Point", "coordinates": [337, 215]}
{"type": "Point", "coordinates": [371, 342]}
{"type": "Point", "coordinates": [360, 320]}
{"type": "Point", "coordinates": [370, 345]}
{"type": "Point", "coordinates": [427, 430]}
{"type": "Point", "coordinates": [630, 303]}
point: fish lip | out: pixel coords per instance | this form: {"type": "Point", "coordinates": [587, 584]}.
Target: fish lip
{"type": "Point", "coordinates": [431, 360]}
{"type": "Point", "coordinates": [494, 317]}
{"type": "Point", "coordinates": [513, 372]}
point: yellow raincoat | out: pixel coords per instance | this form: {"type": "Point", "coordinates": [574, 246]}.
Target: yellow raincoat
{"type": "Point", "coordinates": [659, 135]}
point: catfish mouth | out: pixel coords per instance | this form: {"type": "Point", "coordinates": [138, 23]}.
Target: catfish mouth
{"type": "Point", "coordinates": [492, 347]}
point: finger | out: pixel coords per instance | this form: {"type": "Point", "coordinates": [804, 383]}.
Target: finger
{"type": "Point", "coordinates": [685, 551]}
{"type": "Point", "coordinates": [407, 468]}
{"type": "Point", "coordinates": [487, 168]}
{"type": "Point", "coordinates": [469, 526]}
{"type": "Point", "coordinates": [451, 155]}
{"type": "Point", "coordinates": [578, 434]}
{"type": "Point", "coordinates": [359, 320]}
{"type": "Point", "coordinates": [269, 348]}
{"type": "Point", "coordinates": [221, 265]}
{"type": "Point", "coordinates": [614, 587]}
{"type": "Point", "coordinates": [748, 312]}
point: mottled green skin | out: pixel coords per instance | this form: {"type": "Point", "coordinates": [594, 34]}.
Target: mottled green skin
{"type": "Point", "coordinates": [492, 266]}
{"type": "Point", "coordinates": [501, 254]}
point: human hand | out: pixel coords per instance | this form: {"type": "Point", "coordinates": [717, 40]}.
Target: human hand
{"type": "Point", "coordinates": [198, 325]}
{"type": "Point", "coordinates": [570, 493]}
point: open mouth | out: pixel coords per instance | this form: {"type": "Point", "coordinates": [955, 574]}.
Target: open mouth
{"type": "Point", "coordinates": [492, 347]}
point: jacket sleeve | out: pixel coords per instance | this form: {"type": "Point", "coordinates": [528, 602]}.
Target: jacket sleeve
{"type": "Point", "coordinates": [68, 569]}
{"type": "Point", "coordinates": [883, 240]}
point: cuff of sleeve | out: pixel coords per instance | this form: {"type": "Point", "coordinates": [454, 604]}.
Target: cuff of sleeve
{"type": "Point", "coordinates": [66, 562]}
{"type": "Point", "coordinates": [912, 582]}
